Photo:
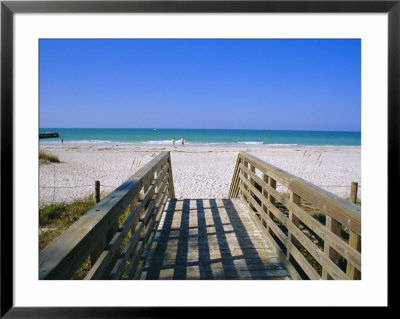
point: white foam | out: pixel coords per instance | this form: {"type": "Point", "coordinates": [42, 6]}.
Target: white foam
{"type": "Point", "coordinates": [158, 142]}
{"type": "Point", "coordinates": [250, 143]}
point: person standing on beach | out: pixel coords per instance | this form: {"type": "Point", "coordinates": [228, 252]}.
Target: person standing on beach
{"type": "Point", "coordinates": [173, 142]}
{"type": "Point", "coordinates": [62, 141]}
{"type": "Point", "coordinates": [183, 141]}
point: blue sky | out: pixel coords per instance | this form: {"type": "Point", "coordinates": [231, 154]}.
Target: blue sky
{"type": "Point", "coordinates": [244, 84]}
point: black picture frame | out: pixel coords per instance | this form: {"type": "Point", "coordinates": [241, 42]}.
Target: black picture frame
{"type": "Point", "coordinates": [9, 8]}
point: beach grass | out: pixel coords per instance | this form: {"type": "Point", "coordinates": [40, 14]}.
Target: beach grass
{"type": "Point", "coordinates": [46, 157]}
{"type": "Point", "coordinates": [55, 218]}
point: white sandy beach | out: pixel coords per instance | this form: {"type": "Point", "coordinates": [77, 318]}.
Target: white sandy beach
{"type": "Point", "coordinates": [199, 171]}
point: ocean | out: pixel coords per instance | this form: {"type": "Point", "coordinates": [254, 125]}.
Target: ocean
{"type": "Point", "coordinates": [160, 136]}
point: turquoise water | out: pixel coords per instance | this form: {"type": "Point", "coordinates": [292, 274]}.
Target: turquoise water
{"type": "Point", "coordinates": [202, 136]}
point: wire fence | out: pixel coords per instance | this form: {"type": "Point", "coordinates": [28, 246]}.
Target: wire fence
{"type": "Point", "coordinates": [98, 189]}
{"type": "Point", "coordinates": [76, 186]}
{"type": "Point", "coordinates": [102, 185]}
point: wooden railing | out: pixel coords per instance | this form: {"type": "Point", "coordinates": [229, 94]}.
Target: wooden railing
{"type": "Point", "coordinates": [317, 234]}
{"type": "Point", "coordinates": [118, 232]}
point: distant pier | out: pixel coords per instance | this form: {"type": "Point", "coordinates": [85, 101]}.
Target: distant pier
{"type": "Point", "coordinates": [48, 134]}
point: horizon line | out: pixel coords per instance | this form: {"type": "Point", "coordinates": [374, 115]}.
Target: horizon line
{"type": "Point", "coordinates": [178, 128]}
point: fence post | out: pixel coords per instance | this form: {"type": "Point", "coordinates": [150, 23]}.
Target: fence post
{"type": "Point", "coordinates": [97, 191]}
{"type": "Point", "coordinates": [94, 255]}
{"type": "Point", "coordinates": [353, 192]}
{"type": "Point", "coordinates": [295, 199]}
{"type": "Point", "coordinates": [336, 228]}
{"type": "Point", "coordinates": [354, 239]}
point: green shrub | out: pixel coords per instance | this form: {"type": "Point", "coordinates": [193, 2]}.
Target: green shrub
{"type": "Point", "coordinates": [47, 157]}
{"type": "Point", "coordinates": [58, 217]}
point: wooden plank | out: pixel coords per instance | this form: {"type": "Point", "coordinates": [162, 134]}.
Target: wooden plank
{"type": "Point", "coordinates": [354, 239]}
{"type": "Point", "coordinates": [355, 242]}
{"type": "Point", "coordinates": [336, 228]}
{"type": "Point", "coordinates": [171, 187]}
{"type": "Point", "coordinates": [132, 206]}
{"type": "Point", "coordinates": [206, 250]}
{"type": "Point", "coordinates": [271, 198]}
{"type": "Point", "coordinates": [252, 182]}
{"type": "Point", "coordinates": [94, 255]}
{"type": "Point", "coordinates": [295, 199]}
{"type": "Point", "coordinates": [234, 181]}
{"type": "Point", "coordinates": [264, 197]}
{"type": "Point", "coordinates": [353, 192]}
{"type": "Point", "coordinates": [97, 191]}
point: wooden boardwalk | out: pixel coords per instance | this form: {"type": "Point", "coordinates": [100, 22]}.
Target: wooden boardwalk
{"type": "Point", "coordinates": [210, 239]}
{"type": "Point", "coordinates": [141, 231]}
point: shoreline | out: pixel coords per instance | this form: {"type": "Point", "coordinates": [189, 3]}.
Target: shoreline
{"type": "Point", "coordinates": [199, 171]}
{"type": "Point", "coordinates": [188, 144]}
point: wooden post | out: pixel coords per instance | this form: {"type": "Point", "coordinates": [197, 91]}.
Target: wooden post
{"type": "Point", "coordinates": [354, 239]}
{"type": "Point", "coordinates": [246, 164]}
{"type": "Point", "coordinates": [132, 206]}
{"type": "Point", "coordinates": [233, 193]}
{"type": "Point", "coordinates": [355, 242]}
{"type": "Point", "coordinates": [265, 194]}
{"type": "Point", "coordinates": [158, 175]}
{"type": "Point", "coordinates": [97, 191]}
{"type": "Point", "coordinates": [271, 183]}
{"type": "Point", "coordinates": [252, 182]}
{"type": "Point", "coordinates": [335, 228]}
{"type": "Point", "coordinates": [353, 192]}
{"type": "Point", "coordinates": [94, 255]}
{"type": "Point", "coordinates": [295, 199]}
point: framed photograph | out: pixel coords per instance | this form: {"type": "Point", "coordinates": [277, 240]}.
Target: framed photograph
{"type": "Point", "coordinates": [199, 140]}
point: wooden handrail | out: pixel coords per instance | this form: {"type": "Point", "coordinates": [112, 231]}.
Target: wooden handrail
{"type": "Point", "coordinates": [284, 228]}
{"type": "Point", "coordinates": [142, 197]}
